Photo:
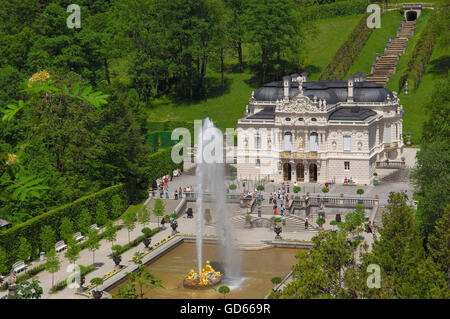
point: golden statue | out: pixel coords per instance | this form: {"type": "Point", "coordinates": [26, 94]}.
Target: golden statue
{"type": "Point", "coordinates": [191, 274]}
{"type": "Point", "coordinates": [203, 280]}
{"type": "Point", "coordinates": [209, 269]}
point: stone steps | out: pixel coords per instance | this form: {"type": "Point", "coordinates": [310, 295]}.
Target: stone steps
{"type": "Point", "coordinates": [386, 64]}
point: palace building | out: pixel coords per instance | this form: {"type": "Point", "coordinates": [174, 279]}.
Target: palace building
{"type": "Point", "coordinates": [317, 132]}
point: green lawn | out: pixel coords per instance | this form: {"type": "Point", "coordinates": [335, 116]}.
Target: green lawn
{"type": "Point", "coordinates": [332, 34]}
{"type": "Point", "coordinates": [377, 42]}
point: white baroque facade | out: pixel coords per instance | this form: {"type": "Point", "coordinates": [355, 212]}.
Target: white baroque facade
{"type": "Point", "coordinates": [318, 132]}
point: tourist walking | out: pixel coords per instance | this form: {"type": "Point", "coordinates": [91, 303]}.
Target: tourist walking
{"type": "Point", "coordinates": [180, 193]}
{"type": "Point", "coordinates": [259, 209]}
{"type": "Point", "coordinates": [306, 223]}
{"type": "Point", "coordinates": [281, 209]}
{"type": "Point", "coordinates": [275, 209]}
{"type": "Point", "coordinates": [270, 198]}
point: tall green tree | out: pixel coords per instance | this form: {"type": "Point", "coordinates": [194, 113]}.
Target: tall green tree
{"type": "Point", "coordinates": [66, 229]}
{"type": "Point", "coordinates": [84, 221]}
{"type": "Point", "coordinates": [48, 238]}
{"type": "Point", "coordinates": [53, 265]}
{"type": "Point", "coordinates": [101, 214]}
{"type": "Point", "coordinates": [24, 250]}
{"type": "Point", "coordinates": [158, 208]}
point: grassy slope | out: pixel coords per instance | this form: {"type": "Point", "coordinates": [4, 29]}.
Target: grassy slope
{"type": "Point", "coordinates": [414, 103]}
{"type": "Point", "coordinates": [377, 42]}
{"type": "Point", "coordinates": [332, 34]}
{"type": "Point", "coordinates": [227, 107]}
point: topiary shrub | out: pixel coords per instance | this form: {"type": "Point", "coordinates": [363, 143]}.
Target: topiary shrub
{"type": "Point", "coordinates": [260, 187]}
{"type": "Point", "coordinates": [297, 189]}
{"type": "Point", "coordinates": [233, 186]}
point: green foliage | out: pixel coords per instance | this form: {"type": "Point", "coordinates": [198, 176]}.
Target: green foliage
{"type": "Point", "coordinates": [224, 290]}
{"type": "Point", "coordinates": [101, 214]}
{"type": "Point", "coordinates": [84, 221]}
{"type": "Point", "coordinates": [97, 281]}
{"type": "Point", "coordinates": [158, 207]}
{"type": "Point", "coordinates": [276, 219]}
{"type": "Point", "coordinates": [53, 264]}
{"type": "Point", "coordinates": [129, 221]}
{"type": "Point", "coordinates": [276, 280]}
{"type": "Point", "coordinates": [24, 251]}
{"type": "Point", "coordinates": [422, 52]}
{"type": "Point", "coordinates": [325, 190]}
{"type": "Point", "coordinates": [233, 186]}
{"type": "Point", "coordinates": [320, 221]}
{"type": "Point", "coordinates": [260, 187]}
{"type": "Point", "coordinates": [143, 215]}
{"type": "Point", "coordinates": [297, 189]}
{"type": "Point", "coordinates": [84, 270]}
{"type": "Point", "coordinates": [116, 206]}
{"type": "Point", "coordinates": [27, 290]}
{"type": "Point", "coordinates": [48, 238]}
{"type": "Point", "coordinates": [329, 10]}
{"type": "Point", "coordinates": [3, 262]}
{"type": "Point", "coordinates": [347, 53]}
{"type": "Point", "coordinates": [360, 191]}
{"type": "Point", "coordinates": [73, 252]}
{"type": "Point", "coordinates": [31, 229]}
{"type": "Point", "coordinates": [118, 249]}
{"type": "Point", "coordinates": [66, 229]}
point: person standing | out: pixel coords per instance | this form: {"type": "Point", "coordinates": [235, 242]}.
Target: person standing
{"type": "Point", "coordinates": [275, 209]}
{"type": "Point", "coordinates": [259, 209]}
{"type": "Point", "coordinates": [281, 209]}
{"type": "Point", "coordinates": [270, 198]}
{"type": "Point", "coordinates": [180, 193]}
{"type": "Point", "coordinates": [306, 223]}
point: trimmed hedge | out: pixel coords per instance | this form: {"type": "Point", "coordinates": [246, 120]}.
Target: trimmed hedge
{"type": "Point", "coordinates": [422, 53]}
{"type": "Point", "coordinates": [63, 284]}
{"type": "Point", "coordinates": [330, 10]}
{"type": "Point", "coordinates": [135, 242]}
{"type": "Point", "coordinates": [160, 163]}
{"type": "Point", "coordinates": [31, 229]}
{"type": "Point", "coordinates": [347, 53]}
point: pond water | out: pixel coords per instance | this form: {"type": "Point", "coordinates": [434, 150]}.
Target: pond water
{"type": "Point", "coordinates": [258, 268]}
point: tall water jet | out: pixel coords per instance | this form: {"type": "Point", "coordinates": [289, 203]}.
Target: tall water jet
{"type": "Point", "coordinates": [210, 174]}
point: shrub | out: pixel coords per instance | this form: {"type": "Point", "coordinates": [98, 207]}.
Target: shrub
{"type": "Point", "coordinates": [297, 189]}
{"type": "Point", "coordinates": [276, 280]}
{"type": "Point", "coordinates": [320, 221]}
{"type": "Point", "coordinates": [325, 190]}
{"type": "Point", "coordinates": [276, 219]}
{"type": "Point", "coordinates": [260, 187]}
{"type": "Point", "coordinates": [233, 186]}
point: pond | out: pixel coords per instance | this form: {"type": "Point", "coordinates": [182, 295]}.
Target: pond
{"type": "Point", "coordinates": [258, 268]}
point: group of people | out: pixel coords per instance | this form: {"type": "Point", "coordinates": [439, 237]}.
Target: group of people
{"type": "Point", "coordinates": [162, 185]}
{"type": "Point", "coordinates": [348, 180]}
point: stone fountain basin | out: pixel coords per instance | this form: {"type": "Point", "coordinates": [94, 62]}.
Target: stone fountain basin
{"type": "Point", "coordinates": [193, 283]}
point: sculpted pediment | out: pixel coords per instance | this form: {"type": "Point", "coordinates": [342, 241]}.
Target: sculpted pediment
{"type": "Point", "coordinates": [300, 104]}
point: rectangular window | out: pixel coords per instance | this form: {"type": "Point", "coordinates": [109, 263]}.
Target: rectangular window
{"type": "Point", "coordinates": [387, 136]}
{"type": "Point", "coordinates": [347, 143]}
{"type": "Point", "coordinates": [258, 163]}
{"type": "Point", "coordinates": [257, 141]}
{"type": "Point", "coordinates": [347, 166]}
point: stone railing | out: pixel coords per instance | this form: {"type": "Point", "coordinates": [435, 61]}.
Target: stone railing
{"type": "Point", "coordinates": [335, 201]}
{"type": "Point", "coordinates": [390, 164]}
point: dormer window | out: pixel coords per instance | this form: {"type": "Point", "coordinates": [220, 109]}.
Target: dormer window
{"type": "Point", "coordinates": [300, 119]}
{"type": "Point", "coordinates": [314, 119]}
{"type": "Point", "coordinates": [288, 119]}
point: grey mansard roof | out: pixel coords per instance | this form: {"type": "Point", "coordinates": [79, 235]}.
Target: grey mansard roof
{"type": "Point", "coordinates": [332, 91]}
{"type": "Point", "coordinates": [265, 114]}
{"type": "Point", "coordinates": [351, 114]}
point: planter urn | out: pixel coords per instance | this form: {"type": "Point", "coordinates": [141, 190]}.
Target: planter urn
{"type": "Point", "coordinates": [147, 242]}
{"type": "Point", "coordinates": [277, 230]}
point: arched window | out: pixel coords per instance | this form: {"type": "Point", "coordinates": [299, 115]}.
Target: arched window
{"type": "Point", "coordinates": [257, 141]}
{"type": "Point", "coordinates": [288, 142]}
{"type": "Point", "coordinates": [313, 142]}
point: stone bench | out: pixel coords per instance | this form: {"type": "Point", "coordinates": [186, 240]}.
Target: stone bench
{"type": "Point", "coordinates": [78, 236]}
{"type": "Point", "coordinates": [60, 246]}
{"type": "Point", "coordinates": [19, 266]}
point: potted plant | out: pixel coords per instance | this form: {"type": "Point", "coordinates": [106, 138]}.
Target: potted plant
{"type": "Point", "coordinates": [147, 239]}
{"type": "Point", "coordinates": [260, 187]}
{"type": "Point", "coordinates": [297, 189]}
{"type": "Point", "coordinates": [232, 186]}
{"type": "Point", "coordinates": [360, 192]}
{"type": "Point", "coordinates": [97, 294]}
{"type": "Point", "coordinates": [116, 255]}
{"type": "Point", "coordinates": [277, 228]}
{"type": "Point", "coordinates": [208, 216]}
{"type": "Point", "coordinates": [248, 221]}
{"type": "Point", "coordinates": [325, 190]}
{"type": "Point", "coordinates": [320, 221]}
{"type": "Point", "coordinates": [341, 195]}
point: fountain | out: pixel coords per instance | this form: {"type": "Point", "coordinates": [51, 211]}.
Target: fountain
{"type": "Point", "coordinates": [210, 179]}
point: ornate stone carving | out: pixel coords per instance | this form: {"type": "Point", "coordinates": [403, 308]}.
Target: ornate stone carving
{"type": "Point", "coordinates": [299, 104]}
